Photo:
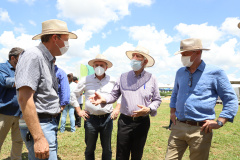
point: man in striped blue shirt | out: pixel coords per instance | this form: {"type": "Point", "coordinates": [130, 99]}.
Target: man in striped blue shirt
{"type": "Point", "coordinates": [9, 108]}
{"type": "Point", "coordinates": [196, 89]}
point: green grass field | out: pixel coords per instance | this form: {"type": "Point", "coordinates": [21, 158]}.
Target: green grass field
{"type": "Point", "coordinates": [225, 143]}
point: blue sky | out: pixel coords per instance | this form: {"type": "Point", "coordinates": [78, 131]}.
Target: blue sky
{"type": "Point", "coordinates": [111, 27]}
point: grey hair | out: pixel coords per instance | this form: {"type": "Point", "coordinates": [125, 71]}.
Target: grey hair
{"type": "Point", "coordinates": [15, 52]}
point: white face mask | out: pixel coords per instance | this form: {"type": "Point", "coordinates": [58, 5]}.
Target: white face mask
{"type": "Point", "coordinates": [99, 71]}
{"type": "Point", "coordinates": [64, 49]}
{"type": "Point", "coordinates": [186, 61]}
{"type": "Point", "coordinates": [136, 65]}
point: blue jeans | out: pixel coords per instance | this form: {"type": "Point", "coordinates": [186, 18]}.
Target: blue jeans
{"type": "Point", "coordinates": [64, 117]}
{"type": "Point", "coordinates": [49, 128]}
{"type": "Point", "coordinates": [93, 126]}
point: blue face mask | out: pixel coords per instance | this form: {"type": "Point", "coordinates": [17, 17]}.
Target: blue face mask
{"type": "Point", "coordinates": [136, 65]}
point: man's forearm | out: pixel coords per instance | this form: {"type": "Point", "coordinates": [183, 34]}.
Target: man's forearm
{"type": "Point", "coordinates": [173, 110]}
{"type": "Point", "coordinates": [29, 113]}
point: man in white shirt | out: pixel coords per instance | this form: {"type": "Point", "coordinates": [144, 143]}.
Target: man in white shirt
{"type": "Point", "coordinates": [98, 119]}
{"type": "Point", "coordinates": [80, 101]}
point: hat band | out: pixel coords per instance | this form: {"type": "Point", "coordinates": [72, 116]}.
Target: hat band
{"type": "Point", "coordinates": [185, 48]}
{"type": "Point", "coordinates": [54, 30]}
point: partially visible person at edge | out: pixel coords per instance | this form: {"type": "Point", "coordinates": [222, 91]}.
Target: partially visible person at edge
{"type": "Point", "coordinates": [196, 89]}
{"type": "Point", "coordinates": [37, 88]}
{"type": "Point", "coordinates": [9, 108]}
{"type": "Point", "coordinates": [69, 108]}
{"type": "Point", "coordinates": [63, 88]}
{"type": "Point", "coordinates": [140, 98]}
{"type": "Point", "coordinates": [80, 101]}
{"type": "Point", "coordinates": [98, 119]}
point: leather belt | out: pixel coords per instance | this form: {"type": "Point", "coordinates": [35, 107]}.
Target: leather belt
{"type": "Point", "coordinates": [134, 118]}
{"type": "Point", "coordinates": [100, 116]}
{"type": "Point", "coordinates": [46, 115]}
{"type": "Point", "coordinates": [193, 123]}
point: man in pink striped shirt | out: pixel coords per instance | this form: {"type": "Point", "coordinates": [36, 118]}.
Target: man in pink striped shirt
{"type": "Point", "coordinates": [140, 97]}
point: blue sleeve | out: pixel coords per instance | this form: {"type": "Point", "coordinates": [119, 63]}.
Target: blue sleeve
{"type": "Point", "coordinates": [174, 94]}
{"type": "Point", "coordinates": [64, 92]}
{"type": "Point", "coordinates": [228, 96]}
{"type": "Point", "coordinates": [5, 79]}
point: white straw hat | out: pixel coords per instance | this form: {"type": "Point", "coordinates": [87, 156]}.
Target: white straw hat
{"type": "Point", "coordinates": [102, 58]}
{"type": "Point", "coordinates": [54, 26]}
{"type": "Point", "coordinates": [191, 44]}
{"type": "Point", "coordinates": [143, 51]}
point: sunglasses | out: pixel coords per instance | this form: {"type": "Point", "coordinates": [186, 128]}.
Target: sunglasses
{"type": "Point", "coordinates": [190, 80]}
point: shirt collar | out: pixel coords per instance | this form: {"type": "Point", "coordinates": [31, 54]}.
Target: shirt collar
{"type": "Point", "coordinates": [46, 51]}
{"type": "Point", "coordinates": [200, 67]}
{"type": "Point", "coordinates": [9, 65]}
{"type": "Point", "coordinates": [140, 75]}
{"type": "Point", "coordinates": [103, 77]}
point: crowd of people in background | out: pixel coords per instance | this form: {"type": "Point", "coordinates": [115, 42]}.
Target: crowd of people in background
{"type": "Point", "coordinates": [36, 95]}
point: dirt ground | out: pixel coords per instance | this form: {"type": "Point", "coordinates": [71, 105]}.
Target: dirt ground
{"type": "Point", "coordinates": [166, 99]}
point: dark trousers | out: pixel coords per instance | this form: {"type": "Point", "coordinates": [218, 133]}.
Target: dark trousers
{"type": "Point", "coordinates": [93, 127]}
{"type": "Point", "coordinates": [77, 117]}
{"type": "Point", "coordinates": [131, 137]}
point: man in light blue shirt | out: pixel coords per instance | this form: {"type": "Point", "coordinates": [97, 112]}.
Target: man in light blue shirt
{"type": "Point", "coordinates": [196, 89]}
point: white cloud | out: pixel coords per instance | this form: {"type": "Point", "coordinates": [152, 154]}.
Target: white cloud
{"type": "Point", "coordinates": [32, 22]}
{"type": "Point", "coordinates": [4, 16]}
{"type": "Point", "coordinates": [19, 30]}
{"type": "Point", "coordinates": [30, 2]}
{"type": "Point", "coordinates": [230, 26]}
{"type": "Point", "coordinates": [94, 15]}
{"type": "Point", "coordinates": [208, 34]}
{"type": "Point", "coordinates": [224, 55]}
{"type": "Point", "coordinates": [8, 41]}
{"type": "Point", "coordinates": [13, 1]}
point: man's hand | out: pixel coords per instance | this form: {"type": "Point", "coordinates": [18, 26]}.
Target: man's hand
{"type": "Point", "coordinates": [96, 99]}
{"type": "Point", "coordinates": [172, 115]}
{"type": "Point", "coordinates": [41, 148]}
{"type": "Point", "coordinates": [209, 125]}
{"type": "Point", "coordinates": [84, 114]}
{"type": "Point", "coordinates": [173, 118]}
{"type": "Point", "coordinates": [115, 114]}
{"type": "Point", "coordinates": [142, 111]}
{"type": "Point", "coordinates": [62, 108]}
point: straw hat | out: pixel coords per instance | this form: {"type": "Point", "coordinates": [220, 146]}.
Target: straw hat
{"type": "Point", "coordinates": [239, 25]}
{"type": "Point", "coordinates": [102, 58]}
{"type": "Point", "coordinates": [143, 51]}
{"type": "Point", "coordinates": [54, 26]}
{"type": "Point", "coordinates": [191, 44]}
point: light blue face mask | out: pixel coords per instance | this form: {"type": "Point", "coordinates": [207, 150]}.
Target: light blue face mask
{"type": "Point", "coordinates": [136, 65]}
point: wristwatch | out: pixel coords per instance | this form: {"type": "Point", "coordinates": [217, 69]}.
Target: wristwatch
{"type": "Point", "coordinates": [219, 123]}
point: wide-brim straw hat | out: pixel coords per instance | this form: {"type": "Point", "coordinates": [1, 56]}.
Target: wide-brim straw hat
{"type": "Point", "coordinates": [143, 51]}
{"type": "Point", "coordinates": [102, 58]}
{"type": "Point", "coordinates": [239, 25]}
{"type": "Point", "coordinates": [54, 26]}
{"type": "Point", "coordinates": [191, 44]}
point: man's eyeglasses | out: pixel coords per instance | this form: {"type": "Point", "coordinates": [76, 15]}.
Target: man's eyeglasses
{"type": "Point", "coordinates": [190, 80]}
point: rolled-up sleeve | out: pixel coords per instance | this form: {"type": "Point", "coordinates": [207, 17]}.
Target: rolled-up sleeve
{"type": "Point", "coordinates": [77, 93]}
{"type": "Point", "coordinates": [228, 96]}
